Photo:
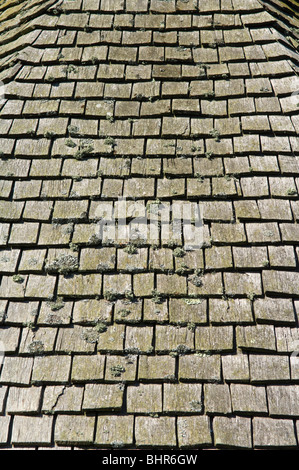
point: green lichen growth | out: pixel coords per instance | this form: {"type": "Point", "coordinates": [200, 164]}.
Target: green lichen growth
{"type": "Point", "coordinates": [74, 247]}
{"type": "Point", "coordinates": [129, 295]}
{"type": "Point", "coordinates": [55, 305]}
{"type": "Point", "coordinates": [90, 336]}
{"type": "Point", "coordinates": [117, 370]}
{"type": "Point", "coordinates": [209, 155]}
{"type": "Point", "coordinates": [70, 68]}
{"type": "Point", "coordinates": [110, 141]}
{"type": "Point", "coordinates": [131, 249]}
{"type": "Point", "coordinates": [251, 295]}
{"type": "Point", "coordinates": [85, 148]}
{"type": "Point", "coordinates": [70, 143]}
{"type": "Point", "coordinates": [36, 347]}
{"type": "Point", "coordinates": [215, 134]}
{"type": "Point", "coordinates": [191, 326]}
{"type": "Point", "coordinates": [94, 239]}
{"type": "Point", "coordinates": [73, 130]}
{"type": "Point", "coordinates": [101, 326]}
{"type": "Point", "coordinates": [181, 350]}
{"type": "Point", "coordinates": [153, 207]}
{"type": "Point", "coordinates": [157, 297]}
{"type": "Point", "coordinates": [117, 444]}
{"type": "Point", "coordinates": [291, 192]}
{"type": "Point", "coordinates": [109, 117]}
{"type": "Point", "coordinates": [133, 351]}
{"type": "Point", "coordinates": [49, 134]}
{"type": "Point", "coordinates": [179, 252]}
{"type": "Point", "coordinates": [196, 278]}
{"type": "Point", "coordinates": [64, 264]}
{"type": "Point", "coordinates": [110, 295]}
{"type": "Point", "coordinates": [182, 269]}
{"type": "Point", "coordinates": [195, 148]}
{"type": "Point", "coordinates": [29, 324]}
{"type": "Point", "coordinates": [195, 405]}
{"type": "Point", "coordinates": [204, 66]}
{"type": "Point", "coordinates": [124, 312]}
{"type": "Point", "coordinates": [18, 278]}
{"type": "Point", "coordinates": [204, 353]}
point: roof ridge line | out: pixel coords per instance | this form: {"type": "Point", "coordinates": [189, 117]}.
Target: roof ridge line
{"type": "Point", "coordinates": [18, 29]}
{"type": "Point", "coordinates": [290, 28]}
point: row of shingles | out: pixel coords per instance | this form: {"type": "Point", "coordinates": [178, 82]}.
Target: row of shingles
{"type": "Point", "coordinates": [156, 54]}
{"type": "Point", "coordinates": [223, 257]}
{"type": "Point", "coordinates": [143, 6]}
{"type": "Point", "coordinates": [188, 93]}
{"type": "Point", "coordinates": [255, 363]}
{"type": "Point", "coordinates": [160, 5]}
{"type": "Point", "coordinates": [25, 236]}
{"type": "Point", "coordinates": [241, 284]}
{"type": "Point", "coordinates": [193, 312]}
{"type": "Point", "coordinates": [271, 334]}
{"type": "Point", "coordinates": [243, 288]}
{"type": "Point", "coordinates": [172, 127]}
{"type": "Point", "coordinates": [164, 426]}
{"type": "Point", "coordinates": [162, 432]}
{"type": "Point", "coordinates": [262, 309]}
{"type": "Point", "coordinates": [219, 185]}
{"type": "Point", "coordinates": [152, 432]}
{"type": "Point", "coordinates": [185, 123]}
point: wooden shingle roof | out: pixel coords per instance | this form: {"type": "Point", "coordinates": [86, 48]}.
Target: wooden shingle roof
{"type": "Point", "coordinates": [126, 126]}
